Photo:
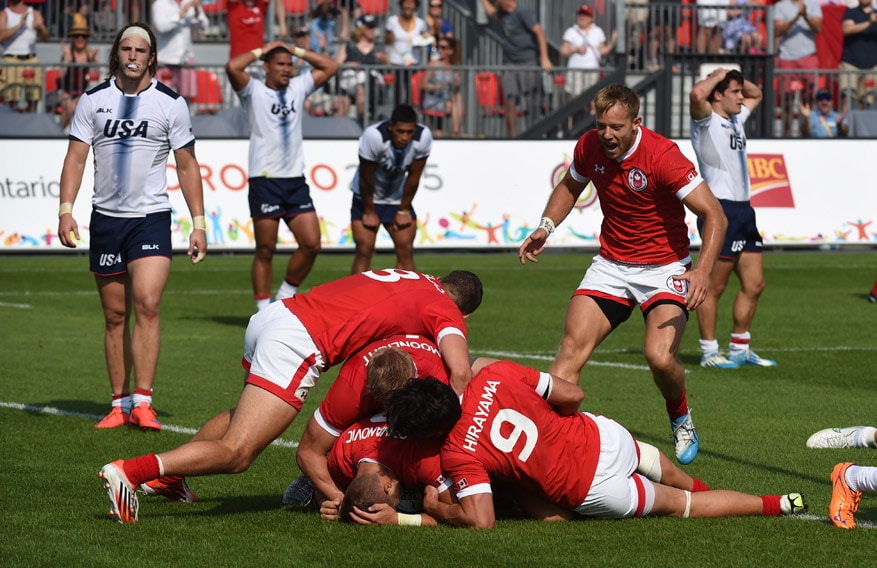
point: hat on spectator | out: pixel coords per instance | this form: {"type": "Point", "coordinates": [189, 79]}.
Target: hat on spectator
{"type": "Point", "coordinates": [79, 28]}
{"type": "Point", "coordinates": [300, 31]}
{"type": "Point", "coordinates": [586, 10]}
{"type": "Point", "coordinates": [823, 95]}
{"type": "Point", "coordinates": [367, 21]}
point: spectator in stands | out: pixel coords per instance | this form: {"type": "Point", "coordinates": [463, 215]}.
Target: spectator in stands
{"type": "Point", "coordinates": [523, 45]}
{"type": "Point", "coordinates": [406, 33]}
{"type": "Point", "coordinates": [362, 49]}
{"type": "Point", "coordinates": [859, 26]}
{"type": "Point", "coordinates": [21, 78]}
{"type": "Point", "coordinates": [796, 23]}
{"type": "Point", "coordinates": [322, 27]}
{"type": "Point", "coordinates": [710, 24]}
{"type": "Point", "coordinates": [76, 13]}
{"type": "Point", "coordinates": [441, 88]}
{"type": "Point", "coordinates": [438, 25]}
{"type": "Point", "coordinates": [104, 19]}
{"type": "Point", "coordinates": [585, 46]}
{"type": "Point", "coordinates": [319, 102]}
{"type": "Point", "coordinates": [174, 23]}
{"type": "Point", "coordinates": [663, 21]}
{"type": "Point", "coordinates": [74, 79]}
{"type": "Point", "coordinates": [740, 34]}
{"type": "Point", "coordinates": [246, 24]}
{"type": "Point", "coordinates": [823, 121]}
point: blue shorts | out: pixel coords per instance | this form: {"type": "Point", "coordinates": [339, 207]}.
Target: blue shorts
{"type": "Point", "coordinates": [272, 198]}
{"type": "Point", "coordinates": [742, 235]}
{"type": "Point", "coordinates": [386, 213]}
{"type": "Point", "coordinates": [116, 241]}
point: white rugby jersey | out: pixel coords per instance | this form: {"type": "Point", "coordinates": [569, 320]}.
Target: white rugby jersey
{"type": "Point", "coordinates": [375, 145]}
{"type": "Point", "coordinates": [720, 146]}
{"type": "Point", "coordinates": [275, 126]}
{"type": "Point", "coordinates": [131, 137]}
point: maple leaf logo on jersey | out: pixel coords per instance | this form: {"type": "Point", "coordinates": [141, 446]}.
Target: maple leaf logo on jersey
{"type": "Point", "coordinates": [637, 179]}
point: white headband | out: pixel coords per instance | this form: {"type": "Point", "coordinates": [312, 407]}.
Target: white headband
{"type": "Point", "coordinates": [136, 31]}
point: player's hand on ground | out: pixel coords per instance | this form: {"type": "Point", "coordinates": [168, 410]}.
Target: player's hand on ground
{"type": "Point", "coordinates": [533, 246]}
{"type": "Point", "coordinates": [330, 509]}
{"type": "Point", "coordinates": [377, 514]}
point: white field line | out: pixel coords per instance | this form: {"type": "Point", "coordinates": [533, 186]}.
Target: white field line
{"type": "Point", "coordinates": [19, 306]}
{"type": "Point", "coordinates": [95, 417]}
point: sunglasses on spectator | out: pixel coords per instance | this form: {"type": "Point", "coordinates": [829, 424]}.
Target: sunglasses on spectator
{"type": "Point", "coordinates": [823, 97]}
{"type": "Point", "coordinates": [74, 36]}
{"type": "Point", "coordinates": [444, 46]}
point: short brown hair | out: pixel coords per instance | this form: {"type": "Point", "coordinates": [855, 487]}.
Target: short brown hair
{"type": "Point", "coordinates": [363, 492]}
{"type": "Point", "coordinates": [617, 94]}
{"type": "Point", "coordinates": [389, 369]}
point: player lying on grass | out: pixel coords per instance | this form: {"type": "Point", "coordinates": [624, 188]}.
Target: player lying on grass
{"type": "Point", "coordinates": [286, 348]}
{"type": "Point", "coordinates": [361, 389]}
{"type": "Point", "coordinates": [585, 463]}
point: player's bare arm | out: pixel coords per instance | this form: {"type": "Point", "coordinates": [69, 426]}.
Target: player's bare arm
{"type": "Point", "coordinates": [564, 396]}
{"type": "Point", "coordinates": [189, 174]}
{"type": "Point", "coordinates": [412, 182]}
{"type": "Point", "coordinates": [71, 180]}
{"type": "Point", "coordinates": [367, 171]}
{"type": "Point", "coordinates": [752, 95]}
{"type": "Point", "coordinates": [703, 203]}
{"type": "Point", "coordinates": [455, 354]}
{"type": "Point", "coordinates": [311, 454]}
{"type": "Point", "coordinates": [561, 202]}
{"type": "Point", "coordinates": [699, 98]}
{"type": "Point", "coordinates": [324, 67]}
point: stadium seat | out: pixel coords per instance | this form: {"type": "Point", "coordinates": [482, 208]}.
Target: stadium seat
{"type": "Point", "coordinates": [208, 98]}
{"type": "Point", "coordinates": [214, 6]}
{"type": "Point", "coordinates": [488, 92]}
{"type": "Point", "coordinates": [373, 7]}
{"type": "Point", "coordinates": [417, 95]}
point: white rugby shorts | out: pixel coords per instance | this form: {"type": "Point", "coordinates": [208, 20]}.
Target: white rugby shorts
{"type": "Point", "coordinates": [280, 356]}
{"type": "Point", "coordinates": [617, 491]}
{"type": "Point", "coordinates": [640, 284]}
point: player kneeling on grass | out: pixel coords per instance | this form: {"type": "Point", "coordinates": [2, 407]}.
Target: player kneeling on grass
{"type": "Point", "coordinates": [585, 463]}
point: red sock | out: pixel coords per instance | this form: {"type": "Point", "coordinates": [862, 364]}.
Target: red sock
{"type": "Point", "coordinates": [678, 408]}
{"type": "Point", "coordinates": [699, 485]}
{"type": "Point", "coordinates": [771, 506]}
{"type": "Point", "coordinates": [141, 469]}
{"type": "Point", "coordinates": [874, 289]}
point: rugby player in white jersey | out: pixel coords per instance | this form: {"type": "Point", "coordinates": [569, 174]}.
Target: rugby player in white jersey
{"type": "Point", "coordinates": [131, 122]}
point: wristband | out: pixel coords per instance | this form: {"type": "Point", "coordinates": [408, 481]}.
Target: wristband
{"type": "Point", "coordinates": [65, 208]}
{"type": "Point", "coordinates": [199, 223]}
{"type": "Point", "coordinates": [547, 224]}
{"type": "Point", "coordinates": [257, 52]}
{"type": "Point", "coordinates": [407, 520]}
{"type": "Point", "coordinates": [404, 211]}
{"type": "Point", "coordinates": [298, 52]}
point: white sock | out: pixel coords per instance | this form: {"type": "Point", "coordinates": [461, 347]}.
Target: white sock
{"type": "Point", "coordinates": [124, 403]}
{"type": "Point", "coordinates": [865, 437]}
{"type": "Point", "coordinates": [861, 478]}
{"type": "Point", "coordinates": [709, 346]}
{"type": "Point", "coordinates": [138, 398]}
{"type": "Point", "coordinates": [262, 303]}
{"type": "Point", "coordinates": [286, 290]}
{"type": "Point", "coordinates": [739, 342]}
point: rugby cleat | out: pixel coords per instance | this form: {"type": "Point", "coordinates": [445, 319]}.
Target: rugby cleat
{"type": "Point", "coordinates": [117, 417]}
{"type": "Point", "coordinates": [300, 492]}
{"type": "Point", "coordinates": [685, 439]}
{"type": "Point", "coordinates": [717, 361]}
{"type": "Point", "coordinates": [170, 487]}
{"type": "Point", "coordinates": [834, 438]}
{"type": "Point", "coordinates": [844, 501]}
{"type": "Point", "coordinates": [124, 505]}
{"type": "Point", "coordinates": [749, 357]}
{"type": "Point", "coordinates": [143, 416]}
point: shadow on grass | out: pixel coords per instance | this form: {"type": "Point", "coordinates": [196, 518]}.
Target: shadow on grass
{"type": "Point", "coordinates": [234, 321]}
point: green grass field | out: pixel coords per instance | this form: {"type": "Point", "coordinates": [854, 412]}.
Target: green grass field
{"type": "Point", "coordinates": [814, 319]}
